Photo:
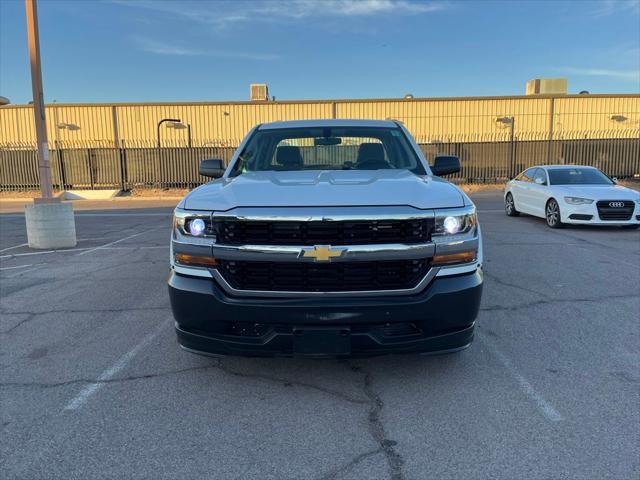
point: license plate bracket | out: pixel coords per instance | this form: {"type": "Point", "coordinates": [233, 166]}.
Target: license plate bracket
{"type": "Point", "coordinates": [321, 341]}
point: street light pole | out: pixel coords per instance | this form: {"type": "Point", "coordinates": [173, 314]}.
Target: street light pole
{"type": "Point", "coordinates": [44, 166]}
{"type": "Point", "coordinates": [50, 222]}
{"type": "Point", "coordinates": [172, 120]}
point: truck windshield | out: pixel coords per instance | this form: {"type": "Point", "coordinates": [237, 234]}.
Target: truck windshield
{"type": "Point", "coordinates": [578, 176]}
{"type": "Point", "coordinates": [328, 148]}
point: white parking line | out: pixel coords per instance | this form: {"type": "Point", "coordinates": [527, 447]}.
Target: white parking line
{"type": "Point", "coordinates": [28, 254]}
{"type": "Point", "coordinates": [44, 252]}
{"type": "Point", "coordinates": [13, 268]}
{"type": "Point", "coordinates": [15, 246]}
{"type": "Point", "coordinates": [20, 272]}
{"type": "Point", "coordinates": [501, 210]}
{"type": "Point", "coordinates": [545, 407]}
{"type": "Point", "coordinates": [114, 242]}
{"type": "Point", "coordinates": [109, 373]}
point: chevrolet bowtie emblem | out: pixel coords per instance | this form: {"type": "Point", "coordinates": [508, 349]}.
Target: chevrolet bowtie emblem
{"type": "Point", "coordinates": [322, 253]}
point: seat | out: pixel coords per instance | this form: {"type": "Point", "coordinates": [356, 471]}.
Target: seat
{"type": "Point", "coordinates": [289, 158]}
{"type": "Point", "coordinates": [371, 157]}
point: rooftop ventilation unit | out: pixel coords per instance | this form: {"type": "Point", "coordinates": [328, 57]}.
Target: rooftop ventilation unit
{"type": "Point", "coordinates": [259, 92]}
{"type": "Point", "coordinates": [547, 86]}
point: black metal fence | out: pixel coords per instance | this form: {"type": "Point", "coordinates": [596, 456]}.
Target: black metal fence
{"type": "Point", "coordinates": [139, 166]}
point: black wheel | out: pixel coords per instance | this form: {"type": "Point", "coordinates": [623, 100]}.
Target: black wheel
{"type": "Point", "coordinates": [552, 214]}
{"type": "Point", "coordinates": [510, 206]}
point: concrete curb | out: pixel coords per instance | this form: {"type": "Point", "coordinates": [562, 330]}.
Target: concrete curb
{"type": "Point", "coordinates": [89, 194]}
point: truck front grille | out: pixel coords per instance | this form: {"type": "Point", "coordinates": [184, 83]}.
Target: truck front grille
{"type": "Point", "coordinates": [326, 277]}
{"type": "Point", "coordinates": [620, 210]}
{"type": "Point", "coordinates": [356, 232]}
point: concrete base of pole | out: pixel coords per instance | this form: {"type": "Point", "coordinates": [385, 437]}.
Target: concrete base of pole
{"type": "Point", "coordinates": [50, 225]}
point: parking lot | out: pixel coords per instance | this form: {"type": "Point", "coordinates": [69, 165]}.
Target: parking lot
{"type": "Point", "coordinates": [93, 384]}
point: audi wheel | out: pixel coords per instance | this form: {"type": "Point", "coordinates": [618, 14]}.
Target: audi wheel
{"type": "Point", "coordinates": [510, 206]}
{"type": "Point", "coordinates": [552, 214]}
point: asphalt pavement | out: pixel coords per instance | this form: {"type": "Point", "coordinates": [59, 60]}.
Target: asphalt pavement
{"type": "Point", "coordinates": [93, 384]}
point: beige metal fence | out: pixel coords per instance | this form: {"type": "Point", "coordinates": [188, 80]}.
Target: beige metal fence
{"type": "Point", "coordinates": [485, 159]}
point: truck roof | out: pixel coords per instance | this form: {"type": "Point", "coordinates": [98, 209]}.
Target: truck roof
{"type": "Point", "coordinates": [332, 122]}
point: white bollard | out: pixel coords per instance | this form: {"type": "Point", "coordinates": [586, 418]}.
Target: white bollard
{"type": "Point", "coordinates": [50, 225]}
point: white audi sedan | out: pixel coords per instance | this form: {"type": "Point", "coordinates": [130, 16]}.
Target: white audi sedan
{"type": "Point", "coordinates": [572, 194]}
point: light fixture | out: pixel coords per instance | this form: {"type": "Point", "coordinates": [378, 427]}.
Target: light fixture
{"type": "Point", "coordinates": [504, 120]}
{"type": "Point", "coordinates": [68, 126]}
{"type": "Point", "coordinates": [196, 260]}
{"type": "Point", "coordinates": [408, 96]}
{"type": "Point", "coordinates": [176, 125]}
{"type": "Point", "coordinates": [196, 227]}
{"type": "Point", "coordinates": [618, 118]}
{"type": "Point", "coordinates": [4, 101]}
{"type": "Point", "coordinates": [451, 225]}
{"type": "Point", "coordinates": [454, 258]}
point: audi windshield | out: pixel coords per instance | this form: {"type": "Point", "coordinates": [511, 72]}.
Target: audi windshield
{"type": "Point", "coordinates": [578, 176]}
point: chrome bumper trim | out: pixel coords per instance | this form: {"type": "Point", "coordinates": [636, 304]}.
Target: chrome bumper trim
{"type": "Point", "coordinates": [430, 275]}
{"type": "Point", "coordinates": [350, 253]}
{"type": "Point", "coordinates": [327, 214]}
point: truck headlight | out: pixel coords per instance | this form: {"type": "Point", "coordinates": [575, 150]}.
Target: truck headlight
{"type": "Point", "coordinates": [578, 201]}
{"type": "Point", "coordinates": [193, 227]}
{"type": "Point", "coordinates": [455, 221]}
{"type": "Point", "coordinates": [455, 235]}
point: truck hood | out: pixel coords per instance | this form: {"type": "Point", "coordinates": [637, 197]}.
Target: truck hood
{"type": "Point", "coordinates": [325, 188]}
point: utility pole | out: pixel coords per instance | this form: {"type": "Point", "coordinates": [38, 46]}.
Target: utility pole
{"type": "Point", "coordinates": [50, 222]}
{"type": "Point", "coordinates": [44, 166]}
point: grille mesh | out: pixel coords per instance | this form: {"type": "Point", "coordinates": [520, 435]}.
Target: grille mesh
{"type": "Point", "coordinates": [361, 232]}
{"type": "Point", "coordinates": [607, 212]}
{"type": "Point", "coordinates": [328, 277]}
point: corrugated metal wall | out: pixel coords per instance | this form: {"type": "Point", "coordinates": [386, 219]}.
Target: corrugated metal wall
{"type": "Point", "coordinates": [430, 120]}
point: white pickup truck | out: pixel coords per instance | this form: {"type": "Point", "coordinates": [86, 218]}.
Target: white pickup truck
{"type": "Point", "coordinates": [326, 238]}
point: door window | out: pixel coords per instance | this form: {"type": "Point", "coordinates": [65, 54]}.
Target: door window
{"type": "Point", "coordinates": [529, 175]}
{"type": "Point", "coordinates": [540, 176]}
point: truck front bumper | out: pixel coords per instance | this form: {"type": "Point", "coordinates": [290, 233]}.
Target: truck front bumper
{"type": "Point", "coordinates": [438, 319]}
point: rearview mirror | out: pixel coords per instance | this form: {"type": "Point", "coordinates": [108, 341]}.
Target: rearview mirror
{"type": "Point", "coordinates": [445, 165]}
{"type": "Point", "coordinates": [213, 167]}
{"type": "Point", "coordinates": [327, 141]}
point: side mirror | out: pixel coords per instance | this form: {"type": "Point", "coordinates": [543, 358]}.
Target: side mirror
{"type": "Point", "coordinates": [445, 165]}
{"type": "Point", "coordinates": [615, 180]}
{"type": "Point", "coordinates": [539, 181]}
{"type": "Point", "coordinates": [213, 168]}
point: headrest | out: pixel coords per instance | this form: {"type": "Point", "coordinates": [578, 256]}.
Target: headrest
{"type": "Point", "coordinates": [289, 157]}
{"type": "Point", "coordinates": [370, 151]}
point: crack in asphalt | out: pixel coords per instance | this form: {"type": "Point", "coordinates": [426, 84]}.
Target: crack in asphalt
{"type": "Point", "coordinates": [289, 383]}
{"type": "Point", "coordinates": [218, 366]}
{"type": "Point", "coordinates": [33, 315]}
{"type": "Point", "coordinates": [346, 468]}
{"type": "Point", "coordinates": [375, 425]}
{"type": "Point", "coordinates": [377, 429]}
{"type": "Point", "coordinates": [108, 381]}
{"type": "Point", "coordinates": [505, 283]}
{"type": "Point", "coordinates": [523, 306]}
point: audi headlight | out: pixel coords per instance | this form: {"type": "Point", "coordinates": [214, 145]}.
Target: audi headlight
{"type": "Point", "coordinates": [577, 200]}
{"type": "Point", "coordinates": [193, 226]}
{"type": "Point", "coordinates": [455, 221]}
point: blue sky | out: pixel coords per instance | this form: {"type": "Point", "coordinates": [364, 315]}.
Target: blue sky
{"type": "Point", "coordinates": [170, 50]}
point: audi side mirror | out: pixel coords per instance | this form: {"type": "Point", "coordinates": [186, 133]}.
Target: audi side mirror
{"type": "Point", "coordinates": [540, 181]}
{"type": "Point", "coordinates": [213, 168]}
{"type": "Point", "coordinates": [445, 165]}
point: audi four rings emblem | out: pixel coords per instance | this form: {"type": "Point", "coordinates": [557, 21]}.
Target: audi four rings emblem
{"type": "Point", "coordinates": [616, 204]}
